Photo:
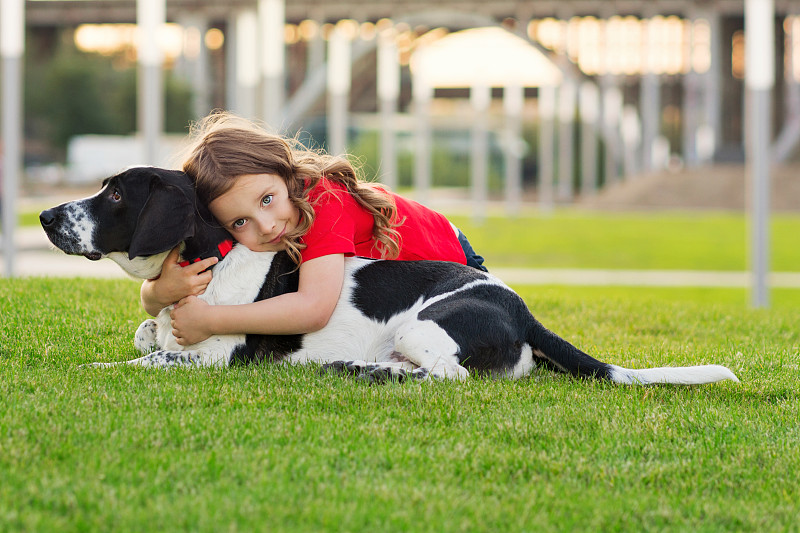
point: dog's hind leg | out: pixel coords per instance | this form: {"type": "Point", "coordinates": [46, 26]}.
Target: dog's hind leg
{"type": "Point", "coordinates": [146, 338]}
{"type": "Point", "coordinates": [428, 346]}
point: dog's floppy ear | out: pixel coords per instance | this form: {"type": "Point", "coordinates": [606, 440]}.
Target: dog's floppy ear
{"type": "Point", "coordinates": [166, 220]}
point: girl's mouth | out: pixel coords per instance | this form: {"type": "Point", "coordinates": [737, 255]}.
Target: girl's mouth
{"type": "Point", "coordinates": [277, 239]}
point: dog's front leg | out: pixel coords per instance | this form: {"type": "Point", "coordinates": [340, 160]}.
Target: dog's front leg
{"type": "Point", "coordinates": [165, 359]}
{"type": "Point", "coordinates": [146, 338]}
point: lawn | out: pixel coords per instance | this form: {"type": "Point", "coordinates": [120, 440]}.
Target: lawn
{"type": "Point", "coordinates": [286, 449]}
{"type": "Point", "coordinates": [569, 238]}
{"type": "Point", "coordinates": [657, 240]}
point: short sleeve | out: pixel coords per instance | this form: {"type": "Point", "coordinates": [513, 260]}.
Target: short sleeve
{"type": "Point", "coordinates": [333, 229]}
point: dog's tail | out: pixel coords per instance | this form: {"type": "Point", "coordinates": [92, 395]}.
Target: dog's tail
{"type": "Point", "coordinates": [554, 351]}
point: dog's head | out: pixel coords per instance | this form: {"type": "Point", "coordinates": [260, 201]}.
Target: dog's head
{"type": "Point", "coordinates": [138, 216]}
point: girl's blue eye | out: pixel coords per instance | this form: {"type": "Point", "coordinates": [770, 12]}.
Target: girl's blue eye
{"type": "Point", "coordinates": [239, 223]}
{"type": "Point", "coordinates": [266, 200]}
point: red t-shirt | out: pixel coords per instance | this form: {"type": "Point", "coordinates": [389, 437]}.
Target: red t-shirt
{"type": "Point", "coordinates": [342, 226]}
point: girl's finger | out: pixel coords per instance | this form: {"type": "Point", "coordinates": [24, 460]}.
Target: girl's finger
{"type": "Point", "coordinates": [200, 266]}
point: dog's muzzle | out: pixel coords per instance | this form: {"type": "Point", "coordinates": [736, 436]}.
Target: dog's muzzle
{"type": "Point", "coordinates": [67, 229]}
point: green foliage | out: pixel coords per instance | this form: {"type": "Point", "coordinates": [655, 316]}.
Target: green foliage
{"type": "Point", "coordinates": [287, 449]}
{"type": "Point", "coordinates": [81, 93]}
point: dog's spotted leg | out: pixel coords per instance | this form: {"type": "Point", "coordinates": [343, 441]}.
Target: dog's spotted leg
{"type": "Point", "coordinates": [162, 359]}
{"type": "Point", "coordinates": [146, 340]}
{"type": "Point", "coordinates": [377, 372]}
{"type": "Point", "coordinates": [426, 345]}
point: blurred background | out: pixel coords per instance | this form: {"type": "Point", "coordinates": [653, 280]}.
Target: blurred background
{"type": "Point", "coordinates": [657, 84]}
{"type": "Point", "coordinates": [474, 107]}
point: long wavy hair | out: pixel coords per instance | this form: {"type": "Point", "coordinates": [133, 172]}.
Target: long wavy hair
{"type": "Point", "coordinates": [225, 146]}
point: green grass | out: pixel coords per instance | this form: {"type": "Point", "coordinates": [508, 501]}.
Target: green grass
{"type": "Point", "coordinates": [285, 449]}
{"type": "Point", "coordinates": [665, 240]}
{"type": "Point", "coordinates": [590, 239]}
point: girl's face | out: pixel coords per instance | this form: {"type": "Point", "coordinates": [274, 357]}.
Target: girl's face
{"type": "Point", "coordinates": [257, 211]}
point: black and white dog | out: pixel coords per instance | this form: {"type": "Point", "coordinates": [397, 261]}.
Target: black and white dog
{"type": "Point", "coordinates": [394, 319]}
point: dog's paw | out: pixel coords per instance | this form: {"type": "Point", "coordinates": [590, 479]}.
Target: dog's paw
{"type": "Point", "coordinates": [350, 368]}
{"type": "Point", "coordinates": [145, 338]}
{"type": "Point", "coordinates": [97, 365]}
{"type": "Point", "coordinates": [376, 372]}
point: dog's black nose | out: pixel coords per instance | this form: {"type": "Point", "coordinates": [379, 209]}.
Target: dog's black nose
{"type": "Point", "coordinates": [47, 217]}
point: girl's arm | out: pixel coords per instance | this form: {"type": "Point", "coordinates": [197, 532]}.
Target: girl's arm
{"type": "Point", "coordinates": [304, 311]}
{"type": "Point", "coordinates": [175, 282]}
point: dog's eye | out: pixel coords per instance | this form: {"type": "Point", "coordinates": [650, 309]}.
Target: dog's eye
{"type": "Point", "coordinates": [115, 196]}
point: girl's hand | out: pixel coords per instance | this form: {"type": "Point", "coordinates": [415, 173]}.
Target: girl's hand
{"type": "Point", "coordinates": [176, 282]}
{"type": "Point", "coordinates": [190, 317]}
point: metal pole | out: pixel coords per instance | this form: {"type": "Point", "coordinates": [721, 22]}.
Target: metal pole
{"type": "Point", "coordinates": [12, 47]}
{"type": "Point", "coordinates": [759, 80]}
{"type": "Point", "coordinates": [150, 16]}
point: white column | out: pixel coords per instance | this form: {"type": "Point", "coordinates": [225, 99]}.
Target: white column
{"type": "Point", "coordinates": [246, 70]}
{"type": "Point", "coordinates": [388, 92]}
{"type": "Point", "coordinates": [631, 130]}
{"type": "Point", "coordinates": [547, 113]}
{"type": "Point", "coordinates": [759, 20]}
{"type": "Point", "coordinates": [194, 62]}
{"type": "Point", "coordinates": [151, 15]}
{"type": "Point", "coordinates": [422, 94]}
{"type": "Point", "coordinates": [650, 100]}
{"type": "Point", "coordinates": [480, 97]}
{"type": "Point", "coordinates": [612, 114]}
{"type": "Point", "coordinates": [12, 49]}
{"type": "Point", "coordinates": [566, 116]}
{"type": "Point", "coordinates": [589, 103]}
{"type": "Point", "coordinates": [272, 19]}
{"type": "Point", "coordinates": [513, 105]}
{"type": "Point", "coordinates": [339, 73]}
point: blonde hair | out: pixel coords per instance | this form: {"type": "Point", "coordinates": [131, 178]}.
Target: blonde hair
{"type": "Point", "coordinates": [226, 147]}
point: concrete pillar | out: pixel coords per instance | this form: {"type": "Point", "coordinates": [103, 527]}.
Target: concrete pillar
{"type": "Point", "coordinates": [589, 103]}
{"type": "Point", "coordinates": [194, 67]}
{"type": "Point", "coordinates": [514, 146]}
{"type": "Point", "coordinates": [339, 74]}
{"type": "Point", "coordinates": [272, 19]}
{"type": "Point", "coordinates": [759, 23]}
{"type": "Point", "coordinates": [422, 94]}
{"type": "Point", "coordinates": [547, 109]}
{"type": "Point", "coordinates": [388, 92]}
{"type": "Point", "coordinates": [12, 50]}
{"type": "Point", "coordinates": [246, 49]}
{"type": "Point", "coordinates": [566, 115]}
{"type": "Point", "coordinates": [480, 97]}
{"type": "Point", "coordinates": [692, 103]}
{"type": "Point", "coordinates": [612, 114]}
{"type": "Point", "coordinates": [151, 15]}
{"type": "Point", "coordinates": [630, 129]}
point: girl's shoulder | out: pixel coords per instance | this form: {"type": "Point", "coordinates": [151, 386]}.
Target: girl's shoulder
{"type": "Point", "coordinates": [326, 185]}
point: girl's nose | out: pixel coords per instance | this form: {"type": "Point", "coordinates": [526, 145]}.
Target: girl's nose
{"type": "Point", "coordinates": [266, 225]}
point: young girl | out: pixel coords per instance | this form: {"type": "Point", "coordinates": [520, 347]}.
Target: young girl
{"type": "Point", "coordinates": [273, 194]}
